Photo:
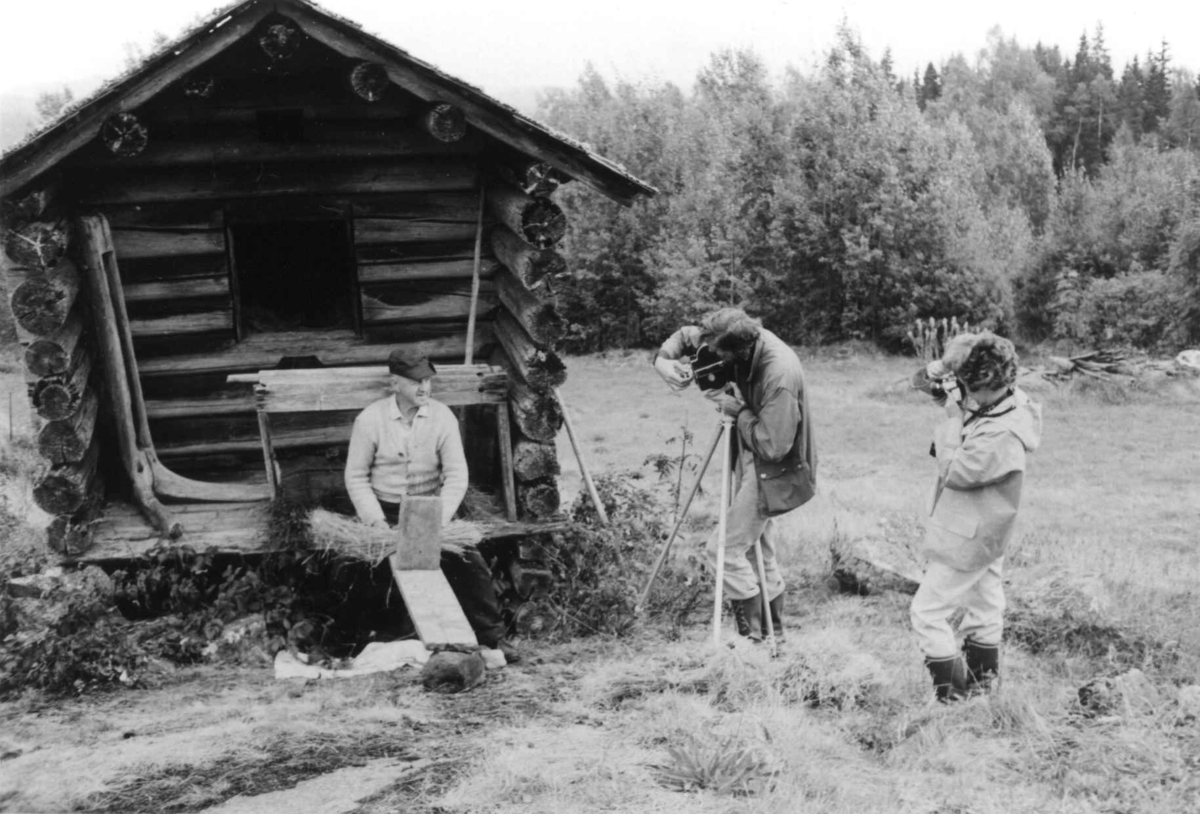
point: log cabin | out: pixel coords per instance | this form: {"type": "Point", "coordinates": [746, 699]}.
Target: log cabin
{"type": "Point", "coordinates": [276, 200]}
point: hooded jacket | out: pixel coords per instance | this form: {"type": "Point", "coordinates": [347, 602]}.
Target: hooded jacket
{"type": "Point", "coordinates": [981, 470]}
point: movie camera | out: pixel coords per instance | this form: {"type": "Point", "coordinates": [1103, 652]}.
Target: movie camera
{"type": "Point", "coordinates": [708, 370]}
{"type": "Point", "coordinates": [938, 382]}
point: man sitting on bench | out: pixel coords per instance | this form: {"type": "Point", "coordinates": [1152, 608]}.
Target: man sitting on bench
{"type": "Point", "coordinates": [408, 444]}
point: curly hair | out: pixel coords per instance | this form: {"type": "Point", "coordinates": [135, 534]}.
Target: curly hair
{"type": "Point", "coordinates": [991, 363]}
{"type": "Point", "coordinates": [730, 330]}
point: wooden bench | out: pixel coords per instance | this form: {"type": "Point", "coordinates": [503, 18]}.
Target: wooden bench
{"type": "Point", "coordinates": [347, 389]}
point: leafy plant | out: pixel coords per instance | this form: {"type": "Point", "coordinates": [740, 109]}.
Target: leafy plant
{"type": "Point", "coordinates": [723, 767]}
{"type": "Point", "coordinates": [668, 466]}
{"type": "Point", "coordinates": [71, 642]}
{"type": "Point", "coordinates": [598, 571]}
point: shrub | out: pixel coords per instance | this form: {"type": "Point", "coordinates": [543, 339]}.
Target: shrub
{"type": "Point", "coordinates": [70, 641]}
{"type": "Point", "coordinates": [599, 571]}
{"type": "Point", "coordinates": [1137, 309]}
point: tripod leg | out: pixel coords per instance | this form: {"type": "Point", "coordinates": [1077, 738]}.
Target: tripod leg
{"type": "Point", "coordinates": [687, 504]}
{"type": "Point", "coordinates": [726, 425]}
{"type": "Point", "coordinates": [762, 581]}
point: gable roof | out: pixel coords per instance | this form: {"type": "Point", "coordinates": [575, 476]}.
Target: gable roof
{"type": "Point", "coordinates": [78, 126]}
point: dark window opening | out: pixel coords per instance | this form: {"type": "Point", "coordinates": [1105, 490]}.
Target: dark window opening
{"type": "Point", "coordinates": [294, 276]}
{"type": "Point", "coordinates": [283, 126]}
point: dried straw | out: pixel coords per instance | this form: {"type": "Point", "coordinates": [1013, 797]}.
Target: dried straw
{"type": "Point", "coordinates": [477, 505]}
{"type": "Point", "coordinates": [348, 536]}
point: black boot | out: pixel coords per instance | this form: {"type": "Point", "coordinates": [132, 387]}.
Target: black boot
{"type": "Point", "coordinates": [751, 611]}
{"type": "Point", "coordinates": [739, 620]}
{"type": "Point", "coordinates": [983, 665]}
{"type": "Point", "coordinates": [776, 618]}
{"type": "Point", "coordinates": [949, 677]}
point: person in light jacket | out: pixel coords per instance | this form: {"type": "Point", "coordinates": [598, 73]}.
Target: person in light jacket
{"type": "Point", "coordinates": [982, 450]}
{"type": "Point", "coordinates": [778, 459]}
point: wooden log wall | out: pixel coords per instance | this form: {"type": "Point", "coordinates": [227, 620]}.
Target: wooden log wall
{"type": "Point", "coordinates": [528, 326]}
{"type": "Point", "coordinates": [52, 323]}
{"type": "Point", "coordinates": [294, 138]}
{"type": "Point", "coordinates": [307, 137]}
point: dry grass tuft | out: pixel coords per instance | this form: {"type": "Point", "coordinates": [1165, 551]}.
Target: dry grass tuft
{"type": "Point", "coordinates": [829, 671]}
{"type": "Point", "coordinates": [332, 532]}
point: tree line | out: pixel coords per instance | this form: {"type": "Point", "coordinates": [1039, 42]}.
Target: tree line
{"type": "Point", "coordinates": [1031, 193]}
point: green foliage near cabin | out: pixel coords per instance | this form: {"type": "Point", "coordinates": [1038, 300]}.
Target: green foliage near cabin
{"type": "Point", "coordinates": [1031, 192]}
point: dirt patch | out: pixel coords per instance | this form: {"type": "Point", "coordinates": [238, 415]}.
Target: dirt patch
{"type": "Point", "coordinates": [280, 763]}
{"type": "Point", "coordinates": [1066, 634]}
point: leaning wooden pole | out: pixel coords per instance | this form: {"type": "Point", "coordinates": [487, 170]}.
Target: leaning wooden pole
{"type": "Point", "coordinates": [95, 247]}
{"type": "Point", "coordinates": [469, 357]}
{"type": "Point", "coordinates": [587, 477]}
{"type": "Point", "coordinates": [164, 481]}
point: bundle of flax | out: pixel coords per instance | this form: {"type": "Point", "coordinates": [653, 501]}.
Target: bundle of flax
{"type": "Point", "coordinates": [347, 535]}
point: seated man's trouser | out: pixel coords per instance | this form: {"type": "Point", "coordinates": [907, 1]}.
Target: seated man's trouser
{"type": "Point", "coordinates": [471, 580]}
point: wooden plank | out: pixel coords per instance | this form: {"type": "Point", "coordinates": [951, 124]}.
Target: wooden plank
{"type": "Point", "coordinates": [409, 230]}
{"type": "Point", "coordinates": [198, 215]}
{"type": "Point", "coordinates": [437, 270]}
{"type": "Point", "coordinates": [458, 206]}
{"type": "Point", "coordinates": [220, 402]}
{"type": "Point", "coordinates": [428, 300]}
{"type": "Point", "coordinates": [416, 252]}
{"type": "Point", "coordinates": [505, 441]}
{"type": "Point", "coordinates": [204, 322]}
{"type": "Point", "coordinates": [353, 388]}
{"type": "Point", "coordinates": [25, 163]}
{"type": "Point", "coordinates": [252, 181]}
{"type": "Point", "coordinates": [419, 532]}
{"type": "Point", "coordinates": [332, 348]}
{"type": "Point", "coordinates": [123, 532]}
{"type": "Point", "coordinates": [321, 142]}
{"type": "Point", "coordinates": [433, 608]}
{"type": "Point", "coordinates": [182, 267]}
{"type": "Point", "coordinates": [188, 289]}
{"type": "Point", "coordinates": [164, 242]}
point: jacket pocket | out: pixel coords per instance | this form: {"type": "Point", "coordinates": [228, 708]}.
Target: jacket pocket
{"type": "Point", "coordinates": [960, 524]}
{"type": "Point", "coordinates": [784, 485]}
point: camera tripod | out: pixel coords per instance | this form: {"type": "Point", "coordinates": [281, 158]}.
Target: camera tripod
{"type": "Point", "coordinates": [722, 439]}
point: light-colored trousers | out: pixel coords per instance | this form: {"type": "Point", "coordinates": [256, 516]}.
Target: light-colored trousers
{"type": "Point", "coordinates": [943, 591]}
{"type": "Point", "coordinates": [745, 524]}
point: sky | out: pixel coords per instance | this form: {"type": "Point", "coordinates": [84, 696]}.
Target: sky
{"type": "Point", "coordinates": [500, 46]}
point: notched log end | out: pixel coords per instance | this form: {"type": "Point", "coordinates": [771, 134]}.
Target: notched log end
{"type": "Point", "coordinates": [543, 223]}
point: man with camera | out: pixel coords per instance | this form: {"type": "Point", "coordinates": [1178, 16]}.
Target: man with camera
{"type": "Point", "coordinates": [982, 447]}
{"type": "Point", "coordinates": [778, 459]}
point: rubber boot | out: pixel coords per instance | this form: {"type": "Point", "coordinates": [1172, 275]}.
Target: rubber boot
{"type": "Point", "coordinates": [751, 611]}
{"type": "Point", "coordinates": [776, 619]}
{"type": "Point", "coordinates": [739, 620]}
{"type": "Point", "coordinates": [983, 665]}
{"type": "Point", "coordinates": [949, 677]}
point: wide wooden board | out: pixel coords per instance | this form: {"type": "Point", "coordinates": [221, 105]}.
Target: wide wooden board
{"type": "Point", "coordinates": [435, 611]}
{"type": "Point", "coordinates": [419, 532]}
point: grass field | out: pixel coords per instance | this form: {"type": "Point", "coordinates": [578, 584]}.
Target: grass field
{"type": "Point", "coordinates": [1104, 579]}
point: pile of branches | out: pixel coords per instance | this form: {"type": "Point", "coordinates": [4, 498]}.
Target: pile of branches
{"type": "Point", "coordinates": [1109, 366]}
{"type": "Point", "coordinates": [1099, 364]}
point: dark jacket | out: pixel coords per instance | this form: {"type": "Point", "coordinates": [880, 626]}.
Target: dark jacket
{"type": "Point", "coordinates": [771, 426]}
